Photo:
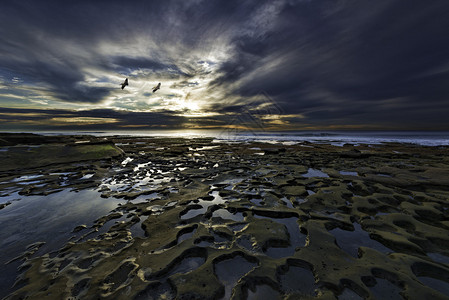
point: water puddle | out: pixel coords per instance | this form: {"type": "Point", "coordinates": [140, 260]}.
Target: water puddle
{"type": "Point", "coordinates": [156, 209]}
{"type": "Point", "coordinates": [436, 284]}
{"type": "Point", "coordinates": [225, 214]}
{"type": "Point", "coordinates": [287, 202]}
{"type": "Point", "coordinates": [384, 175]}
{"type": "Point", "coordinates": [186, 235]}
{"type": "Point", "coordinates": [126, 161]}
{"type": "Point", "coordinates": [314, 173]}
{"type": "Point", "coordinates": [87, 176]}
{"type": "Point", "coordinates": [48, 219]}
{"type": "Point", "coordinates": [350, 241]}
{"type": "Point", "coordinates": [440, 258]}
{"type": "Point", "coordinates": [245, 242]}
{"type": "Point", "coordinates": [26, 178]}
{"type": "Point", "coordinates": [263, 292]}
{"type": "Point", "coordinates": [204, 206]}
{"type": "Point", "coordinates": [230, 271]}
{"type": "Point", "coordinates": [136, 229]}
{"type": "Point", "coordinates": [203, 148]}
{"type": "Point", "coordinates": [143, 181]}
{"type": "Point", "coordinates": [297, 239]}
{"type": "Point", "coordinates": [298, 280]}
{"type": "Point", "coordinates": [188, 264]}
{"type": "Point", "coordinates": [164, 290]}
{"type": "Point", "coordinates": [140, 166]}
{"type": "Point", "coordinates": [349, 173]}
{"type": "Point", "coordinates": [35, 183]}
{"type": "Point", "coordinates": [193, 213]}
{"type": "Point", "coordinates": [349, 294]}
{"type": "Point", "coordinates": [263, 171]}
{"type": "Point", "coordinates": [257, 202]}
{"type": "Point", "coordinates": [64, 174]}
{"type": "Point", "coordinates": [232, 181]}
{"type": "Point", "coordinates": [237, 227]}
{"type": "Point", "coordinates": [300, 200]}
{"type": "Point", "coordinates": [386, 290]}
{"type": "Point", "coordinates": [9, 198]}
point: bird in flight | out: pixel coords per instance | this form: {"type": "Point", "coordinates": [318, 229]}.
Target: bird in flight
{"type": "Point", "coordinates": [125, 83]}
{"type": "Point", "coordinates": [157, 87]}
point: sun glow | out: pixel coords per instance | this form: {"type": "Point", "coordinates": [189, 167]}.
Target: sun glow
{"type": "Point", "coordinates": [190, 105]}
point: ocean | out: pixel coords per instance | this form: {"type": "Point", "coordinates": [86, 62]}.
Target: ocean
{"type": "Point", "coordinates": [338, 138]}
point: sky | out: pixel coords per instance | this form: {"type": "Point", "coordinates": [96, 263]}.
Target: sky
{"type": "Point", "coordinates": [231, 64]}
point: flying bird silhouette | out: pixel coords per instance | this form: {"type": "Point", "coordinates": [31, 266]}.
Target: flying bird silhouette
{"type": "Point", "coordinates": [157, 87]}
{"type": "Point", "coordinates": [125, 83]}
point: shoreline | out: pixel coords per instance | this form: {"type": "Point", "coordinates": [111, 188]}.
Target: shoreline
{"type": "Point", "coordinates": [351, 220]}
{"type": "Point", "coordinates": [339, 138]}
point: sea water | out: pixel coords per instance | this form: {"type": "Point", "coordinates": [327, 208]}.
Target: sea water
{"type": "Point", "coordinates": [338, 138]}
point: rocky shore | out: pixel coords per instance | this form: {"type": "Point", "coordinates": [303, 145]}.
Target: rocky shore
{"type": "Point", "coordinates": [205, 220]}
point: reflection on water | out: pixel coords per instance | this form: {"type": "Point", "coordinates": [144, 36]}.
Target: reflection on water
{"type": "Point", "coordinates": [386, 290]}
{"type": "Point", "coordinates": [299, 280]}
{"type": "Point", "coordinates": [287, 202]}
{"type": "Point", "coordinates": [204, 206]}
{"type": "Point", "coordinates": [26, 177]}
{"type": "Point", "coordinates": [314, 173]}
{"type": "Point", "coordinates": [439, 285]}
{"type": "Point", "coordinates": [349, 294]}
{"type": "Point", "coordinates": [350, 241]}
{"type": "Point", "coordinates": [437, 257]}
{"type": "Point", "coordinates": [136, 229]}
{"type": "Point", "coordinates": [230, 271]}
{"type": "Point", "coordinates": [263, 292]}
{"type": "Point", "coordinates": [48, 219]}
{"type": "Point", "coordinates": [193, 213]}
{"type": "Point", "coordinates": [296, 238]}
{"type": "Point", "coordinates": [188, 264]}
{"type": "Point", "coordinates": [349, 173]}
{"type": "Point", "coordinates": [225, 214]}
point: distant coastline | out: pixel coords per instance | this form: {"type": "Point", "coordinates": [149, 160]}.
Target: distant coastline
{"type": "Point", "coordinates": [339, 138]}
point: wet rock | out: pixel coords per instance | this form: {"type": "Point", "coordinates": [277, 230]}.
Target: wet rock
{"type": "Point", "coordinates": [383, 228]}
{"type": "Point", "coordinates": [79, 228]}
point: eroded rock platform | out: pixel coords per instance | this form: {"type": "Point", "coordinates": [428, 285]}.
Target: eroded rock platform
{"type": "Point", "coordinates": [203, 220]}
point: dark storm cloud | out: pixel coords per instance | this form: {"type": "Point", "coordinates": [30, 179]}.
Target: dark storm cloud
{"type": "Point", "coordinates": [51, 42]}
{"type": "Point", "coordinates": [331, 55]}
{"type": "Point", "coordinates": [33, 43]}
{"type": "Point", "coordinates": [332, 61]}
{"type": "Point", "coordinates": [63, 80]}
{"type": "Point", "coordinates": [103, 119]}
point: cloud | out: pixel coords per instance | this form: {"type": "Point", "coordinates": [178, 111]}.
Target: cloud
{"type": "Point", "coordinates": [333, 63]}
{"type": "Point", "coordinates": [82, 121]}
{"type": "Point", "coordinates": [98, 119]}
